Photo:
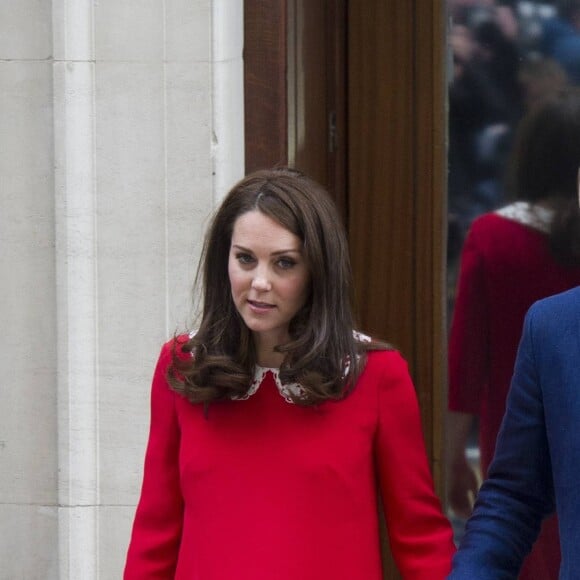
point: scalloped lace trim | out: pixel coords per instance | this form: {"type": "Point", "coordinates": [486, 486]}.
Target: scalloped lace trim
{"type": "Point", "coordinates": [528, 214]}
{"type": "Point", "coordinates": [285, 390]}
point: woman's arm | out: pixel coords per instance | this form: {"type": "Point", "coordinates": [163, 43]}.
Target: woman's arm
{"type": "Point", "coordinates": [420, 535]}
{"type": "Point", "coordinates": [157, 527]}
{"type": "Point", "coordinates": [468, 372]}
{"type": "Point", "coordinates": [463, 483]}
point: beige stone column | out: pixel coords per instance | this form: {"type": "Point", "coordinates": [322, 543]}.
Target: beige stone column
{"type": "Point", "coordinates": [28, 386]}
{"type": "Point", "coordinates": [122, 125]}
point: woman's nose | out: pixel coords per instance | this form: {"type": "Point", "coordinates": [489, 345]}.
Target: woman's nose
{"type": "Point", "coordinates": [261, 283]}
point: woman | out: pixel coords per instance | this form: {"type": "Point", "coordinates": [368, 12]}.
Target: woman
{"type": "Point", "coordinates": [513, 257]}
{"type": "Point", "coordinates": [273, 421]}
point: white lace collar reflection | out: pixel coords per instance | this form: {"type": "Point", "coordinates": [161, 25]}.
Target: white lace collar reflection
{"type": "Point", "coordinates": [528, 214]}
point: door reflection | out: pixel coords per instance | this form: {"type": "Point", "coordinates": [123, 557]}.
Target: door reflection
{"type": "Point", "coordinates": [513, 223]}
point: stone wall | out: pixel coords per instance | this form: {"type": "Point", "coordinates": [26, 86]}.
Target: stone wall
{"type": "Point", "coordinates": [121, 125]}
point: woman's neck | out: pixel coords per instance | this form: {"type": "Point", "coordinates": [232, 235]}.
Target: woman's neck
{"type": "Point", "coordinates": [271, 360]}
{"type": "Point", "coordinates": [266, 355]}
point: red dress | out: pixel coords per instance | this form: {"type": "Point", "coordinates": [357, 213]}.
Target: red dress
{"type": "Point", "coordinates": [262, 489]}
{"type": "Point", "coordinates": [506, 266]}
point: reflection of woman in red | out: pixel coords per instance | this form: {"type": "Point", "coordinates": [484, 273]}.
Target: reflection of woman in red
{"type": "Point", "coordinates": [272, 424]}
{"type": "Point", "coordinates": [511, 258]}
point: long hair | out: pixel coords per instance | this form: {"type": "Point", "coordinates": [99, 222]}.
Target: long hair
{"type": "Point", "coordinates": [545, 168]}
{"type": "Point", "coordinates": [323, 355]}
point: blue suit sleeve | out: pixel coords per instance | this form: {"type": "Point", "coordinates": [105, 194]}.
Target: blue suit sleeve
{"type": "Point", "coordinates": [519, 491]}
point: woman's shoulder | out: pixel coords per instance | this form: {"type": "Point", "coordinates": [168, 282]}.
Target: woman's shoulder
{"type": "Point", "coordinates": [492, 222]}
{"type": "Point", "coordinates": [386, 360]}
{"type": "Point", "coordinates": [500, 232]}
{"type": "Point", "coordinates": [386, 373]}
{"type": "Point", "coordinates": [177, 345]}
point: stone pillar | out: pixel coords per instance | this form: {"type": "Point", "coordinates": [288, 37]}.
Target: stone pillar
{"type": "Point", "coordinates": [28, 387]}
{"type": "Point", "coordinates": [122, 125]}
{"type": "Point", "coordinates": [77, 306]}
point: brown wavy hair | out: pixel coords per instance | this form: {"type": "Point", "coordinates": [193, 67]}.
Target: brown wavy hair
{"type": "Point", "coordinates": [322, 344]}
{"type": "Point", "coordinates": [546, 160]}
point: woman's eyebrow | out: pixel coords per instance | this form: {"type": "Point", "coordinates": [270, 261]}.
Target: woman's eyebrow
{"type": "Point", "coordinates": [276, 253]}
{"type": "Point", "coordinates": [290, 251]}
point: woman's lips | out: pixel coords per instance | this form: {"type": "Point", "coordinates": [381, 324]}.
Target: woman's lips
{"type": "Point", "coordinates": [260, 306]}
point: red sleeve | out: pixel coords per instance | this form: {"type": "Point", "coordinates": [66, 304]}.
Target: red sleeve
{"type": "Point", "coordinates": [468, 341]}
{"type": "Point", "coordinates": [420, 535]}
{"type": "Point", "coordinates": [157, 527]}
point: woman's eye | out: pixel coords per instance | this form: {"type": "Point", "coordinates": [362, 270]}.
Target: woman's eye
{"type": "Point", "coordinates": [286, 263]}
{"type": "Point", "coordinates": [244, 258]}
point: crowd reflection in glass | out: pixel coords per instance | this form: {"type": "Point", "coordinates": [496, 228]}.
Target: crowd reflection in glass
{"type": "Point", "coordinates": [508, 61]}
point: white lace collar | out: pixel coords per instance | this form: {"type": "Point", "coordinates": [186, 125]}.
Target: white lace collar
{"type": "Point", "coordinates": [528, 214]}
{"type": "Point", "coordinates": [285, 390]}
{"type": "Point", "coordinates": [290, 389]}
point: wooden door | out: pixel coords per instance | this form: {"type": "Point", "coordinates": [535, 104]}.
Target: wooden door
{"type": "Point", "coordinates": [354, 94]}
{"type": "Point", "coordinates": [396, 185]}
{"type": "Point", "coordinates": [295, 89]}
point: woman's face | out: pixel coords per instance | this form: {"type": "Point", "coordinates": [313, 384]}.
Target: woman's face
{"type": "Point", "coordinates": [269, 277]}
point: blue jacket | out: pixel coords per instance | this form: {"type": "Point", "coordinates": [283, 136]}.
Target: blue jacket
{"type": "Point", "coordinates": [536, 467]}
